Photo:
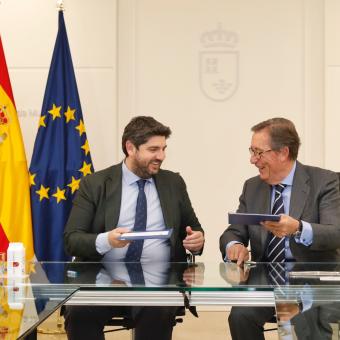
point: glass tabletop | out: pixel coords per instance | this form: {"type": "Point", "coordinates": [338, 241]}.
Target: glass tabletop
{"type": "Point", "coordinates": [27, 301]}
{"type": "Point", "coordinates": [308, 312]}
{"type": "Point", "coordinates": [187, 276]}
{"type": "Point", "coordinates": [24, 306]}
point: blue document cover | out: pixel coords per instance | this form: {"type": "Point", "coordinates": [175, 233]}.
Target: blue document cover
{"type": "Point", "coordinates": [143, 235]}
{"type": "Point", "coordinates": [242, 218]}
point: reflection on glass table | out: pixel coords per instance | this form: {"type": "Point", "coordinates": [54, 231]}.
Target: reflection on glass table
{"type": "Point", "coordinates": [308, 311]}
{"type": "Point", "coordinates": [24, 306]}
{"type": "Point", "coordinates": [110, 283]}
{"type": "Point", "coordinates": [298, 287]}
{"type": "Point", "coordinates": [210, 283]}
{"type": "Point", "coordinates": [191, 276]}
{"type": "Point", "coordinates": [164, 275]}
{"type": "Point", "coordinates": [136, 275]}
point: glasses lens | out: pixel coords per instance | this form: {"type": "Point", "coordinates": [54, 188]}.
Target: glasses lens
{"type": "Point", "coordinates": [254, 153]}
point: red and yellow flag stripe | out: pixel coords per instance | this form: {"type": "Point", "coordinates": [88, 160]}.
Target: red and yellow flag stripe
{"type": "Point", "coordinates": [15, 206]}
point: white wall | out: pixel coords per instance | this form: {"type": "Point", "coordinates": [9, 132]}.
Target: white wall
{"type": "Point", "coordinates": [136, 57]}
{"type": "Point", "coordinates": [279, 60]}
{"type": "Point", "coordinates": [28, 30]}
{"type": "Point", "coordinates": [332, 84]}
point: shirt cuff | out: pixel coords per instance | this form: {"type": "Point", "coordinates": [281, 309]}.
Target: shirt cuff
{"type": "Point", "coordinates": [306, 297]}
{"type": "Point", "coordinates": [306, 236]}
{"type": "Point", "coordinates": [102, 243]}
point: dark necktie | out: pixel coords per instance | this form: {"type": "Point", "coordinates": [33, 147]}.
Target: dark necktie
{"type": "Point", "coordinates": [276, 245]}
{"type": "Point", "coordinates": [134, 251]}
{"type": "Point", "coordinates": [135, 272]}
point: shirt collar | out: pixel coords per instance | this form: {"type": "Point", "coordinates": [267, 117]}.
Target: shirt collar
{"type": "Point", "coordinates": [289, 179]}
{"type": "Point", "coordinates": [129, 177]}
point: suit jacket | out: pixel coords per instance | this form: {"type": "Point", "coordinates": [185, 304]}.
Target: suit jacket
{"type": "Point", "coordinates": [315, 198]}
{"type": "Point", "coordinates": [96, 209]}
{"type": "Point", "coordinates": [314, 324]}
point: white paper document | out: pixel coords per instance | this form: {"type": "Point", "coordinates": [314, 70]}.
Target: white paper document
{"type": "Point", "coordinates": [142, 235]}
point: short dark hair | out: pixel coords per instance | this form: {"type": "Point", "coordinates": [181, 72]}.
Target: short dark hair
{"type": "Point", "coordinates": [282, 133]}
{"type": "Point", "coordinates": [140, 129]}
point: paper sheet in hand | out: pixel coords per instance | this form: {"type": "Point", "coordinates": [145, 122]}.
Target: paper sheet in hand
{"type": "Point", "coordinates": [240, 218]}
{"type": "Point", "coordinates": [142, 235]}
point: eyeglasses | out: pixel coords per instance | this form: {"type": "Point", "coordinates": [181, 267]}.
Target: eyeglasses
{"type": "Point", "coordinates": [257, 153]}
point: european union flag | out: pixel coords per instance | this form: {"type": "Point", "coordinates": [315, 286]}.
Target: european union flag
{"type": "Point", "coordinates": [61, 155]}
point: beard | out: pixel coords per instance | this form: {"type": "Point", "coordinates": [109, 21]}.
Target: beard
{"type": "Point", "coordinates": [146, 169]}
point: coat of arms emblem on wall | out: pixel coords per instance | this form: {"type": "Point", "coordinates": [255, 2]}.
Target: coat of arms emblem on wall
{"type": "Point", "coordinates": [218, 64]}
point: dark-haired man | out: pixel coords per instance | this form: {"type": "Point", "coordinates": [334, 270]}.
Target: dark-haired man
{"type": "Point", "coordinates": [123, 197]}
{"type": "Point", "coordinates": [308, 200]}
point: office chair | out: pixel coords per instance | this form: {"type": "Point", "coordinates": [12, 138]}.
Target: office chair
{"type": "Point", "coordinates": [125, 322]}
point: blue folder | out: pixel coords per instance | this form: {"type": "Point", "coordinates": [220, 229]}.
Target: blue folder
{"type": "Point", "coordinates": [254, 219]}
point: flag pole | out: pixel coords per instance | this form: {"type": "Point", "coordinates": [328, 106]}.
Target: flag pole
{"type": "Point", "coordinates": [60, 326]}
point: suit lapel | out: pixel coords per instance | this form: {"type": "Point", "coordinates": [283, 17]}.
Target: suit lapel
{"type": "Point", "coordinates": [164, 198]}
{"type": "Point", "coordinates": [113, 186]}
{"type": "Point", "coordinates": [164, 195]}
{"type": "Point", "coordinates": [300, 191]}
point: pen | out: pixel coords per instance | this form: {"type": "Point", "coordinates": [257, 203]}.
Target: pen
{"type": "Point", "coordinates": [247, 263]}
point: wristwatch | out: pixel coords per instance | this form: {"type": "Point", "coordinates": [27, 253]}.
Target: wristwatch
{"type": "Point", "coordinates": [299, 230]}
{"type": "Point", "coordinates": [299, 304]}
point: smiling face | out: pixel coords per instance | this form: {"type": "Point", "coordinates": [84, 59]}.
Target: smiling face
{"type": "Point", "coordinates": [147, 159]}
{"type": "Point", "coordinates": [273, 165]}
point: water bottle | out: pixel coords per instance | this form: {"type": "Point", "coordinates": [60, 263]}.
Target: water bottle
{"type": "Point", "coordinates": [15, 259]}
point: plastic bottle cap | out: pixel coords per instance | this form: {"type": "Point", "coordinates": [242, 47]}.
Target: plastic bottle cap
{"type": "Point", "coordinates": [16, 305]}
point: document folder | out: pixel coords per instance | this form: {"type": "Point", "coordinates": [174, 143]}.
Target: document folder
{"type": "Point", "coordinates": [255, 219]}
{"type": "Point", "coordinates": [142, 235]}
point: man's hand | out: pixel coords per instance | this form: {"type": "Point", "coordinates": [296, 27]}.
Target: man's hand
{"type": "Point", "coordinates": [235, 274]}
{"type": "Point", "coordinates": [113, 237]}
{"type": "Point", "coordinates": [286, 311]}
{"type": "Point", "coordinates": [285, 227]}
{"type": "Point", "coordinates": [238, 252]}
{"type": "Point", "coordinates": [194, 275]}
{"type": "Point", "coordinates": [194, 240]}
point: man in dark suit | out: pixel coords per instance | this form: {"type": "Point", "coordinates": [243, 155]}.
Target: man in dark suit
{"type": "Point", "coordinates": [315, 323]}
{"type": "Point", "coordinates": [308, 200]}
{"type": "Point", "coordinates": [135, 194]}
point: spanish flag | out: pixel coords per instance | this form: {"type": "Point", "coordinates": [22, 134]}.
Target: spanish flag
{"type": "Point", "coordinates": [10, 318]}
{"type": "Point", "coordinates": [15, 206]}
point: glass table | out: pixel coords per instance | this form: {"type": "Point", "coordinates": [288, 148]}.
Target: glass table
{"type": "Point", "coordinates": [309, 308]}
{"type": "Point", "coordinates": [24, 306]}
{"type": "Point", "coordinates": [306, 291]}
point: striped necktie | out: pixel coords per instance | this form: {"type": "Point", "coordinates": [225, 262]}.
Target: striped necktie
{"type": "Point", "coordinates": [277, 274]}
{"type": "Point", "coordinates": [276, 245]}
